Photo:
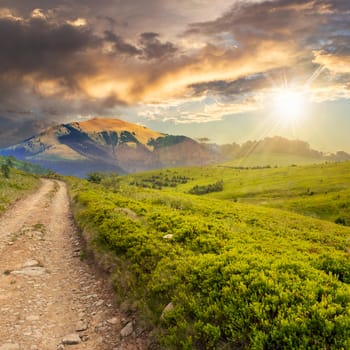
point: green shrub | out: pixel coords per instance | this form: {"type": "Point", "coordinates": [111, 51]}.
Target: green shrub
{"type": "Point", "coordinates": [239, 276]}
{"type": "Point", "coordinates": [340, 221]}
{"type": "Point", "coordinates": [94, 177]}
{"type": "Point", "coordinates": [216, 187]}
{"type": "Point", "coordinates": [5, 170]}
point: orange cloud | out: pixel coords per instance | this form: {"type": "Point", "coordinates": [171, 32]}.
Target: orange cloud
{"type": "Point", "coordinates": [334, 62]}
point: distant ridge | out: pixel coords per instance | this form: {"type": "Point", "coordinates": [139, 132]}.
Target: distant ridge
{"type": "Point", "coordinates": [278, 151]}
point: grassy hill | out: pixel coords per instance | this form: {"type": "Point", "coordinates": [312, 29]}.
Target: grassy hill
{"type": "Point", "coordinates": [15, 186]}
{"type": "Point", "coordinates": [236, 268]}
{"type": "Point", "coordinates": [318, 190]}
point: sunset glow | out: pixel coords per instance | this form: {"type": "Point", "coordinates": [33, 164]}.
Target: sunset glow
{"type": "Point", "coordinates": [179, 67]}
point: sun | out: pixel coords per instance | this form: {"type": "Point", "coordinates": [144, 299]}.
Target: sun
{"type": "Point", "coordinates": [288, 105]}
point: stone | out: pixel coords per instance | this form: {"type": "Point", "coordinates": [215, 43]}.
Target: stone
{"type": "Point", "coordinates": [81, 326]}
{"type": "Point", "coordinates": [71, 339]}
{"type": "Point", "coordinates": [168, 236]}
{"type": "Point", "coordinates": [99, 303]}
{"type": "Point", "coordinates": [9, 346]}
{"type": "Point", "coordinates": [84, 337]}
{"type": "Point", "coordinates": [127, 330]}
{"type": "Point", "coordinates": [113, 320]}
{"type": "Point", "coordinates": [31, 263]}
{"type": "Point", "coordinates": [30, 271]}
{"type": "Point", "coordinates": [92, 296]}
{"type": "Point", "coordinates": [167, 309]}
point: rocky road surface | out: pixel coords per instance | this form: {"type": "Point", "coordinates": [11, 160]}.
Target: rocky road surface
{"type": "Point", "coordinates": [50, 298]}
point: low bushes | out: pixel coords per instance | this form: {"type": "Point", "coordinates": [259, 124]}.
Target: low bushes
{"type": "Point", "coordinates": [238, 276]}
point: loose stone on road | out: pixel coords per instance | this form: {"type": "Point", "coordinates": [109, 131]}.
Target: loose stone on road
{"type": "Point", "coordinates": [49, 298]}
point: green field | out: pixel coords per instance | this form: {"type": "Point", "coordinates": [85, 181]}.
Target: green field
{"type": "Point", "coordinates": [320, 190]}
{"type": "Point", "coordinates": [16, 186]}
{"type": "Point", "coordinates": [272, 160]}
{"type": "Point", "coordinates": [240, 267]}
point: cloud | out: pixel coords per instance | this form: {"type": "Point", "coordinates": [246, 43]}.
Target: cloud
{"type": "Point", "coordinates": [41, 62]}
{"type": "Point", "coordinates": [14, 130]}
{"type": "Point", "coordinates": [304, 24]}
{"type": "Point", "coordinates": [239, 87]}
{"type": "Point", "coordinates": [83, 57]}
{"type": "Point", "coordinates": [149, 46]}
{"type": "Point", "coordinates": [338, 63]}
{"type": "Point", "coordinates": [36, 45]}
{"type": "Point", "coordinates": [315, 32]}
{"type": "Point", "coordinates": [153, 48]}
{"type": "Point", "coordinates": [198, 110]}
{"type": "Point", "coordinates": [120, 46]}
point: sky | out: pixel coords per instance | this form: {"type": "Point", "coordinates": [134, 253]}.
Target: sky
{"type": "Point", "coordinates": [226, 70]}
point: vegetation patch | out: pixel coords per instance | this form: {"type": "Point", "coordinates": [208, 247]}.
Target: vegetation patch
{"type": "Point", "coordinates": [160, 180]}
{"type": "Point", "coordinates": [14, 184]}
{"type": "Point", "coordinates": [9, 162]}
{"type": "Point", "coordinates": [216, 187]}
{"type": "Point", "coordinates": [237, 275]}
{"type": "Point", "coordinates": [166, 141]}
{"type": "Point", "coordinates": [320, 191]}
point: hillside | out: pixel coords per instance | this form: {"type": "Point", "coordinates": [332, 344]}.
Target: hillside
{"type": "Point", "coordinates": [108, 145]}
{"type": "Point", "coordinates": [215, 271]}
{"type": "Point", "coordinates": [318, 190]}
{"type": "Point", "coordinates": [24, 166]}
{"type": "Point", "coordinates": [15, 186]}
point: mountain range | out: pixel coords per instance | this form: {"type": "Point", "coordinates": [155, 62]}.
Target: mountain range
{"type": "Point", "coordinates": [113, 145]}
{"type": "Point", "coordinates": [102, 144]}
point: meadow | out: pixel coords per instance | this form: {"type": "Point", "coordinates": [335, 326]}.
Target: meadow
{"type": "Point", "coordinates": [319, 190]}
{"type": "Point", "coordinates": [257, 263]}
{"type": "Point", "coordinates": [272, 160]}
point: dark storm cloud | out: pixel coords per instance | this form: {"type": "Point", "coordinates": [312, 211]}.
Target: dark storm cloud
{"type": "Point", "coordinates": [120, 46]}
{"type": "Point", "coordinates": [14, 130]}
{"type": "Point", "coordinates": [153, 48]}
{"type": "Point", "coordinates": [31, 51]}
{"type": "Point", "coordinates": [149, 46]}
{"type": "Point", "coordinates": [37, 45]}
{"type": "Point", "coordinates": [230, 88]}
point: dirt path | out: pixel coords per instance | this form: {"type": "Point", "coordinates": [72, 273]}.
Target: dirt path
{"type": "Point", "coordinates": [48, 296]}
